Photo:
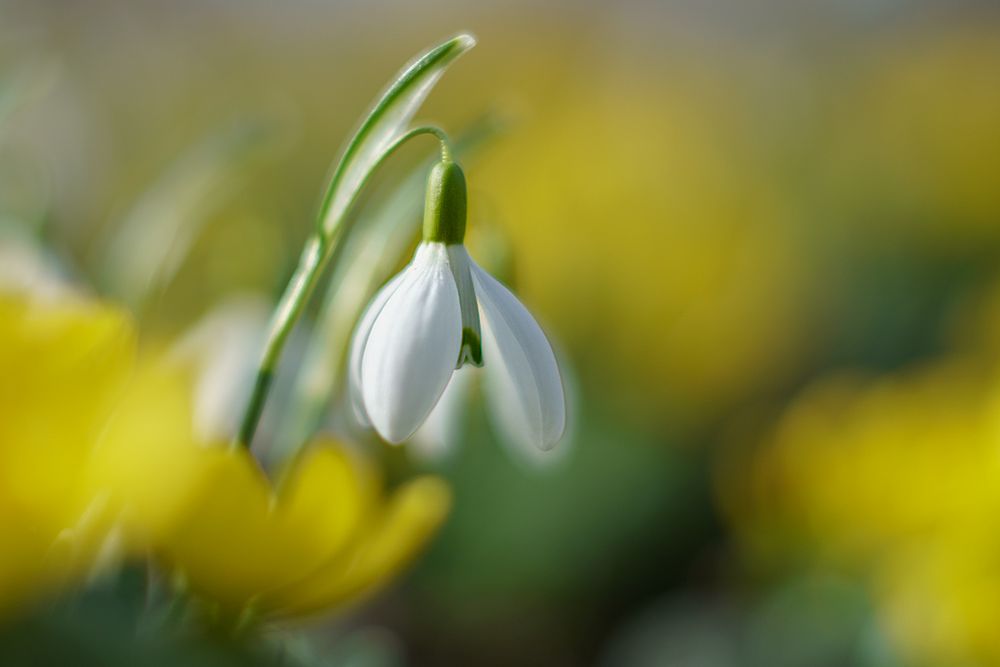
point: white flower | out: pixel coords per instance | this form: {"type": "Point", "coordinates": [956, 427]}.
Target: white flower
{"type": "Point", "coordinates": [441, 435]}
{"type": "Point", "coordinates": [425, 323]}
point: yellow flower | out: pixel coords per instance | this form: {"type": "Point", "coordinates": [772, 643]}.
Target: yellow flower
{"type": "Point", "coordinates": [322, 536]}
{"type": "Point", "coordinates": [98, 462]}
{"type": "Point", "coordinates": [62, 368]}
{"type": "Point", "coordinates": [855, 465]}
{"type": "Point", "coordinates": [896, 479]}
{"type": "Point", "coordinates": [942, 598]}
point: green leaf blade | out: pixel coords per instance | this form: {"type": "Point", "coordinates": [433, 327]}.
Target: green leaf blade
{"type": "Point", "coordinates": [385, 123]}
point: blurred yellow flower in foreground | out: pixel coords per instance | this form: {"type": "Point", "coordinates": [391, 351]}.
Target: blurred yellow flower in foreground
{"type": "Point", "coordinates": [62, 371]}
{"type": "Point", "coordinates": [323, 536]}
{"type": "Point", "coordinates": [896, 479]}
{"type": "Point", "coordinates": [98, 461]}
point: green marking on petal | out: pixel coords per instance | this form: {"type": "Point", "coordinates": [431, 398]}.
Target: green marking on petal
{"type": "Point", "coordinates": [472, 348]}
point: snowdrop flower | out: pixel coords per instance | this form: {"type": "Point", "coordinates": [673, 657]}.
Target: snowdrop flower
{"type": "Point", "coordinates": [441, 312]}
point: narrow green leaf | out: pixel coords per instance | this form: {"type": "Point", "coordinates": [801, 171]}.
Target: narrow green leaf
{"type": "Point", "coordinates": [386, 122]}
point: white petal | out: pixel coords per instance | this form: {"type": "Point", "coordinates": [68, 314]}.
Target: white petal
{"type": "Point", "coordinates": [360, 340]}
{"type": "Point", "coordinates": [412, 347]}
{"type": "Point", "coordinates": [522, 378]}
{"type": "Point", "coordinates": [535, 459]}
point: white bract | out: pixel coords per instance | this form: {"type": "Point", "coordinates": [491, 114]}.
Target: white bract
{"type": "Point", "coordinates": [425, 323]}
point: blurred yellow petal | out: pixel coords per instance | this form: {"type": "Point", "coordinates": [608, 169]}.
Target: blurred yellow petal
{"type": "Point", "coordinates": [941, 600]}
{"type": "Point", "coordinates": [63, 367]}
{"type": "Point", "coordinates": [896, 479]}
{"type": "Point", "coordinates": [146, 460]}
{"type": "Point", "coordinates": [389, 543]}
{"type": "Point", "coordinates": [64, 364]}
{"type": "Point", "coordinates": [240, 539]}
{"type": "Point", "coordinates": [330, 488]}
{"type": "Point", "coordinates": [855, 466]}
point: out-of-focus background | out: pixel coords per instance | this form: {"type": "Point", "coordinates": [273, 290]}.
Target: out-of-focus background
{"type": "Point", "coordinates": [763, 234]}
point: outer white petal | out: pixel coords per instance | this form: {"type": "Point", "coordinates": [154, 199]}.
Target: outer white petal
{"type": "Point", "coordinates": [360, 340]}
{"type": "Point", "coordinates": [523, 385]}
{"type": "Point", "coordinates": [413, 345]}
{"type": "Point", "coordinates": [544, 460]}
